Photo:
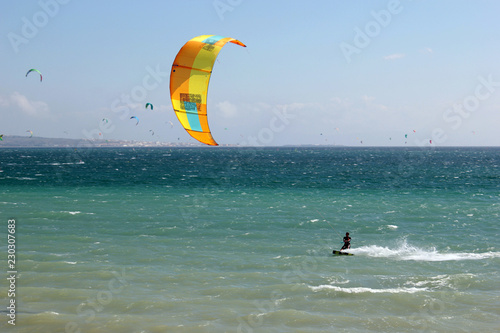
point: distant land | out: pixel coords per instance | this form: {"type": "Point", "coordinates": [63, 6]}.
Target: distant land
{"type": "Point", "coordinates": [15, 141]}
{"type": "Point", "coordinates": [12, 141]}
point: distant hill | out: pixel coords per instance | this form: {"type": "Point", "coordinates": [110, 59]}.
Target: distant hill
{"type": "Point", "coordinates": [12, 141]}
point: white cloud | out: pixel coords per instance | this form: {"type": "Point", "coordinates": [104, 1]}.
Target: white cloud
{"type": "Point", "coordinates": [395, 56]}
{"type": "Point", "coordinates": [228, 109]}
{"type": "Point", "coordinates": [370, 103]}
{"type": "Point", "coordinates": [31, 108]}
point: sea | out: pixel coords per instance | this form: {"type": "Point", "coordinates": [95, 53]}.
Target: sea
{"type": "Point", "coordinates": [228, 239]}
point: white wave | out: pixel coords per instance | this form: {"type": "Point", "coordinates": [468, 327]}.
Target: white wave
{"type": "Point", "coordinates": [440, 281]}
{"type": "Point", "coordinates": [359, 290]}
{"type": "Point", "coordinates": [50, 313]}
{"type": "Point", "coordinates": [408, 252]}
{"type": "Point", "coordinates": [75, 212]}
{"type": "Point", "coordinates": [389, 226]}
{"type": "Point", "coordinates": [63, 163]}
{"type": "Point", "coordinates": [338, 280]}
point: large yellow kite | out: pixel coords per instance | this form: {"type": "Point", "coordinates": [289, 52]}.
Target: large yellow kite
{"type": "Point", "coordinates": [189, 79]}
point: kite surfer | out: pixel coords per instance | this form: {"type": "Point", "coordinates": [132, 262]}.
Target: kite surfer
{"type": "Point", "coordinates": [347, 242]}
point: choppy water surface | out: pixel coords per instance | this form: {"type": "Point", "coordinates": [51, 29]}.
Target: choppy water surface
{"type": "Point", "coordinates": [240, 240]}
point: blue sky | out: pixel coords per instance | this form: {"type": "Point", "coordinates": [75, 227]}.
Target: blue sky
{"type": "Point", "coordinates": [357, 73]}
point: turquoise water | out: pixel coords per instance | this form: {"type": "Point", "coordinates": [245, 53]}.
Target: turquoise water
{"type": "Point", "coordinates": [240, 240]}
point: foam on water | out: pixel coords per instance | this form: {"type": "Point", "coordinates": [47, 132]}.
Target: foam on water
{"type": "Point", "coordinates": [442, 281]}
{"type": "Point", "coordinates": [358, 290]}
{"type": "Point", "coordinates": [406, 251]}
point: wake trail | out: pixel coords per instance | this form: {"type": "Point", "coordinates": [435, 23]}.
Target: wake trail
{"type": "Point", "coordinates": [408, 252]}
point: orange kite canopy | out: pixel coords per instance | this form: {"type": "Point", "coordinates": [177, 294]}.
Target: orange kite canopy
{"type": "Point", "coordinates": [189, 80]}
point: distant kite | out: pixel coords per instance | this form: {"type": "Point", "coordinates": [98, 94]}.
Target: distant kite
{"type": "Point", "coordinates": [31, 133]}
{"type": "Point", "coordinates": [134, 117]}
{"type": "Point", "coordinates": [150, 105]}
{"type": "Point", "coordinates": [35, 70]}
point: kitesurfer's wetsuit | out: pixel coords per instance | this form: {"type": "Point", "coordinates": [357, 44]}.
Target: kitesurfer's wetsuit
{"type": "Point", "coordinates": [347, 243]}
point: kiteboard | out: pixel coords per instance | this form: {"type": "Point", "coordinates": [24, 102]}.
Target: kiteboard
{"type": "Point", "coordinates": [342, 253]}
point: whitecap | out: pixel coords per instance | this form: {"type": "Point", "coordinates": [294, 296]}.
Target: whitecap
{"type": "Point", "coordinates": [388, 226]}
{"type": "Point", "coordinates": [168, 228]}
{"type": "Point", "coordinates": [409, 252]}
{"type": "Point", "coordinates": [49, 313]}
{"type": "Point", "coordinates": [440, 281]}
{"type": "Point", "coordinates": [359, 290]}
